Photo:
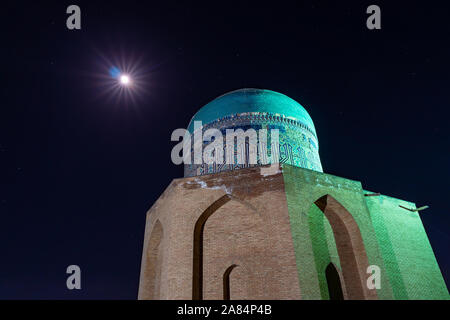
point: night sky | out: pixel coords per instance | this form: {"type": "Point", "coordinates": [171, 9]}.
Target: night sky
{"type": "Point", "coordinates": [80, 166]}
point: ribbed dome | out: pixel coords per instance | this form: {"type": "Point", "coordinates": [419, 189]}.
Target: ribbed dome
{"type": "Point", "coordinates": [252, 100]}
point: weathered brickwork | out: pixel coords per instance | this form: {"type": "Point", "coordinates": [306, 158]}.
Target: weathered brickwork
{"type": "Point", "coordinates": [278, 230]}
{"type": "Point", "coordinates": [251, 231]}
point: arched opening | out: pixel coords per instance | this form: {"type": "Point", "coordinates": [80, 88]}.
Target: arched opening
{"type": "Point", "coordinates": [154, 263]}
{"type": "Point", "coordinates": [334, 283]}
{"type": "Point", "coordinates": [350, 247]}
{"type": "Point", "coordinates": [324, 248]}
{"type": "Point", "coordinates": [197, 272]}
{"type": "Point", "coordinates": [237, 234]}
{"type": "Point", "coordinates": [226, 282]}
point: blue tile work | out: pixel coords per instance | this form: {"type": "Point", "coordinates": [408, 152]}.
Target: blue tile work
{"type": "Point", "coordinates": [298, 145]}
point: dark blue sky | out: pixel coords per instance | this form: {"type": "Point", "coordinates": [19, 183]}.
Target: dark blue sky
{"type": "Point", "coordinates": [80, 169]}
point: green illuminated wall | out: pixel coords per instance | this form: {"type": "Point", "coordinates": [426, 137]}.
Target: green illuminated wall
{"type": "Point", "coordinates": [323, 246]}
{"type": "Point", "coordinates": [412, 268]}
{"type": "Point", "coordinates": [394, 238]}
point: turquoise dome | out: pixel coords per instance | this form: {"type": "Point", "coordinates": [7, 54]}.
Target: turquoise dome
{"type": "Point", "coordinates": [252, 100]}
{"type": "Point", "coordinates": [261, 111]}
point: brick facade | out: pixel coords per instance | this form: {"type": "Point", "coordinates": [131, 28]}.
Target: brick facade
{"type": "Point", "coordinates": [270, 233]}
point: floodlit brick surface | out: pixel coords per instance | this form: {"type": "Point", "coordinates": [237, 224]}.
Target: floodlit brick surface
{"type": "Point", "coordinates": [412, 267]}
{"type": "Point", "coordinates": [252, 230]}
{"type": "Point", "coordinates": [303, 188]}
{"type": "Point", "coordinates": [281, 228]}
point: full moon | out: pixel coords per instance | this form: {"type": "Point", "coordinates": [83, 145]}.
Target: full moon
{"type": "Point", "coordinates": [124, 79]}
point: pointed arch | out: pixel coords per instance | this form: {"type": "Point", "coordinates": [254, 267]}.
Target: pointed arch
{"type": "Point", "coordinates": [334, 282]}
{"type": "Point", "coordinates": [237, 234]}
{"type": "Point", "coordinates": [197, 272]}
{"type": "Point", "coordinates": [226, 282]}
{"type": "Point", "coordinates": [350, 246]}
